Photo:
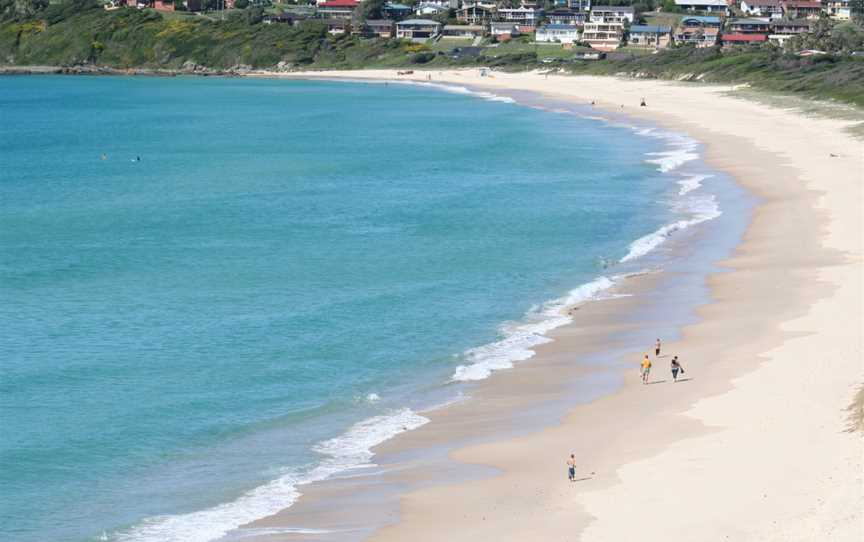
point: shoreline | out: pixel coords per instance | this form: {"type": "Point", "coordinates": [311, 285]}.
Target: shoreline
{"type": "Point", "coordinates": [458, 506]}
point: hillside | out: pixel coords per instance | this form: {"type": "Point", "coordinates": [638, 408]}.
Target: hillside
{"type": "Point", "coordinates": [81, 33]}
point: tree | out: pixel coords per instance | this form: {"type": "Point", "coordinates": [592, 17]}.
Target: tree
{"type": "Point", "coordinates": [241, 4]}
{"type": "Point", "coordinates": [20, 9]}
{"type": "Point", "coordinates": [857, 11]}
{"type": "Point", "coordinates": [847, 37]}
{"type": "Point", "coordinates": [254, 15]}
{"type": "Point", "coordinates": [372, 9]}
{"type": "Point", "coordinates": [669, 6]}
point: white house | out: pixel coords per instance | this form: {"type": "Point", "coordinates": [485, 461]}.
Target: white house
{"type": "Point", "coordinates": [603, 36]}
{"type": "Point", "coordinates": [839, 9]}
{"type": "Point", "coordinates": [504, 29]}
{"type": "Point", "coordinates": [430, 8]}
{"type": "Point", "coordinates": [612, 14]}
{"type": "Point", "coordinates": [417, 29]}
{"type": "Point", "coordinates": [462, 31]}
{"type": "Point", "coordinates": [526, 17]}
{"type": "Point", "coordinates": [710, 6]}
{"type": "Point", "coordinates": [762, 8]}
{"type": "Point", "coordinates": [557, 33]}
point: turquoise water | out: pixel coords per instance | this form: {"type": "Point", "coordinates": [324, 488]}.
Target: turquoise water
{"type": "Point", "coordinates": [290, 273]}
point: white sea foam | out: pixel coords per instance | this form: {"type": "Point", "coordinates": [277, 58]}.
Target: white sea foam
{"type": "Point", "coordinates": [351, 450]}
{"type": "Point", "coordinates": [477, 93]}
{"type": "Point", "coordinates": [690, 183]}
{"type": "Point", "coordinates": [273, 531]}
{"type": "Point", "coordinates": [683, 149]}
{"type": "Point", "coordinates": [520, 338]}
{"type": "Point", "coordinates": [675, 157]}
{"type": "Point", "coordinates": [373, 397]}
{"type": "Point", "coordinates": [700, 209]}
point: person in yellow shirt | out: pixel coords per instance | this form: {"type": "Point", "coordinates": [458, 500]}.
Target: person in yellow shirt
{"type": "Point", "coordinates": [646, 369]}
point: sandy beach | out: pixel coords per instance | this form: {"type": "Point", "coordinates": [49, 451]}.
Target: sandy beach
{"type": "Point", "coordinates": [755, 443]}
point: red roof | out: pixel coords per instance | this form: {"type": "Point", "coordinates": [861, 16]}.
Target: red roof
{"type": "Point", "coordinates": [803, 4]}
{"type": "Point", "coordinates": [339, 4]}
{"type": "Point", "coordinates": [744, 37]}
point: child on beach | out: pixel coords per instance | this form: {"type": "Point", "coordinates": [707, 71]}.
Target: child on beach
{"type": "Point", "coordinates": [571, 467]}
{"type": "Point", "coordinates": [676, 367]}
{"type": "Point", "coordinates": [646, 369]}
{"type": "Point", "coordinates": [657, 348]}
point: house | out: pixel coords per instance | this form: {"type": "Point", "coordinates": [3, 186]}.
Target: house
{"type": "Point", "coordinates": [791, 28]}
{"type": "Point", "coordinates": [747, 26]}
{"type": "Point", "coordinates": [525, 18]}
{"type": "Point", "coordinates": [446, 4]}
{"type": "Point", "coordinates": [337, 9]}
{"type": "Point", "coordinates": [802, 9]}
{"type": "Point", "coordinates": [278, 18]}
{"type": "Point", "coordinates": [336, 27]}
{"type": "Point", "coordinates": [603, 36]}
{"type": "Point", "coordinates": [163, 5]}
{"type": "Point", "coordinates": [743, 39]}
{"type": "Point", "coordinates": [612, 14]}
{"type": "Point", "coordinates": [557, 33]}
{"type": "Point", "coordinates": [566, 16]}
{"type": "Point", "coordinates": [463, 31]}
{"type": "Point", "coordinates": [839, 9]}
{"type": "Point", "coordinates": [701, 31]}
{"type": "Point", "coordinates": [417, 29]}
{"type": "Point", "coordinates": [430, 8]}
{"type": "Point", "coordinates": [782, 31]}
{"type": "Point", "coordinates": [378, 28]}
{"type": "Point", "coordinates": [762, 8]}
{"type": "Point", "coordinates": [392, 10]}
{"type": "Point", "coordinates": [707, 6]}
{"type": "Point", "coordinates": [476, 13]}
{"type": "Point", "coordinates": [650, 36]}
{"type": "Point", "coordinates": [579, 5]}
{"type": "Point", "coordinates": [504, 30]}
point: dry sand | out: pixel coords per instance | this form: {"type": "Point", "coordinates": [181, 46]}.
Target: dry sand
{"type": "Point", "coordinates": [754, 445]}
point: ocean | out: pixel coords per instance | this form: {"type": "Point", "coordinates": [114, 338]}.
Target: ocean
{"type": "Point", "coordinates": [215, 291]}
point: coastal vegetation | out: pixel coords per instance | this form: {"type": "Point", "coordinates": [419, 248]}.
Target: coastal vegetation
{"type": "Point", "coordinates": [81, 33]}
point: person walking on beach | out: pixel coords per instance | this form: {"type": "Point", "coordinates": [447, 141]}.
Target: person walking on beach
{"type": "Point", "coordinates": [657, 348]}
{"type": "Point", "coordinates": [676, 367]}
{"type": "Point", "coordinates": [646, 369]}
{"type": "Point", "coordinates": [571, 468]}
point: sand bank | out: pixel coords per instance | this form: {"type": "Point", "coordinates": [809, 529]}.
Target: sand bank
{"type": "Point", "coordinates": [753, 446]}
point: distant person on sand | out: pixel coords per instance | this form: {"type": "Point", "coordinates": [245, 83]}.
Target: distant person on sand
{"type": "Point", "coordinates": [657, 348]}
{"type": "Point", "coordinates": [571, 468]}
{"type": "Point", "coordinates": [676, 367]}
{"type": "Point", "coordinates": [646, 369]}
{"type": "Point", "coordinates": [642, 103]}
